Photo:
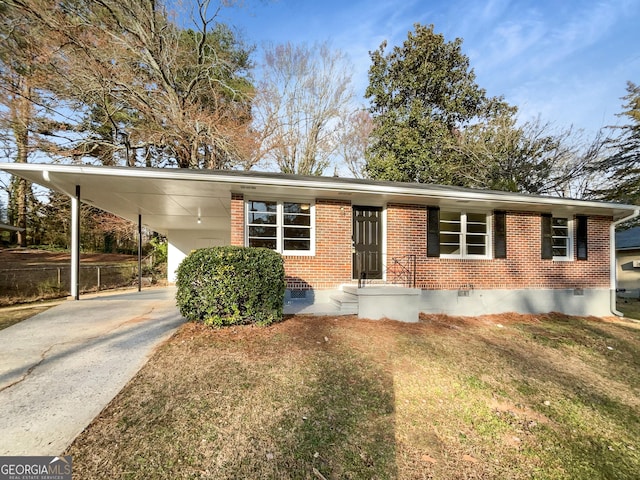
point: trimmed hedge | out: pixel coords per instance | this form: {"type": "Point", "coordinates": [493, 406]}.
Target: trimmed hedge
{"type": "Point", "coordinates": [231, 286]}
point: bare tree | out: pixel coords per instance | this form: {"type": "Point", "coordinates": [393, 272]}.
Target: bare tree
{"type": "Point", "coordinates": [534, 157]}
{"type": "Point", "coordinates": [304, 94]}
{"type": "Point", "coordinates": [147, 85]}
{"type": "Point", "coordinates": [354, 137]}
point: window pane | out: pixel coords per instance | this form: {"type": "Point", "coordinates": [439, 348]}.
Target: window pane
{"type": "Point", "coordinates": [450, 227]}
{"type": "Point", "coordinates": [303, 220]}
{"type": "Point", "coordinates": [557, 221]}
{"type": "Point", "coordinates": [476, 227]}
{"type": "Point", "coordinates": [449, 216]}
{"type": "Point", "coordinates": [262, 231]}
{"type": "Point", "coordinates": [449, 222]}
{"type": "Point", "coordinates": [449, 249]}
{"type": "Point", "coordinates": [476, 250]}
{"type": "Point", "coordinates": [477, 217]}
{"type": "Point", "coordinates": [291, 232]}
{"type": "Point", "coordinates": [262, 218]}
{"type": "Point", "coordinates": [561, 242]}
{"type": "Point", "coordinates": [256, 206]}
{"type": "Point", "coordinates": [449, 238]}
{"type": "Point", "coordinates": [263, 242]}
{"type": "Point", "coordinates": [560, 252]}
{"type": "Point", "coordinates": [476, 239]}
{"type": "Point", "coordinates": [297, 245]}
{"type": "Point", "coordinates": [304, 208]}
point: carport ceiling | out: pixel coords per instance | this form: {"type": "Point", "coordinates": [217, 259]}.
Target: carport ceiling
{"type": "Point", "coordinates": [156, 199]}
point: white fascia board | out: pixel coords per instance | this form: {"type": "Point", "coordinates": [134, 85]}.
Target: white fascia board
{"type": "Point", "coordinates": [415, 191]}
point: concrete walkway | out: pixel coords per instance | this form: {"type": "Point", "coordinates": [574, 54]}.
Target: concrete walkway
{"type": "Point", "coordinates": [59, 369]}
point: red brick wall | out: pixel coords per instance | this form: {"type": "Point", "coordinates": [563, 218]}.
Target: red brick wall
{"type": "Point", "coordinates": [406, 234]}
{"type": "Point", "coordinates": [523, 267]}
{"type": "Point", "coordinates": [237, 219]}
{"type": "Point", "coordinates": [331, 264]}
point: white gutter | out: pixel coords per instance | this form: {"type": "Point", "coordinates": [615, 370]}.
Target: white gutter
{"type": "Point", "coordinates": [613, 265]}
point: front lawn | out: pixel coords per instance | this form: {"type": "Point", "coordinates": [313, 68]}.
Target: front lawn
{"type": "Point", "coordinates": [496, 397]}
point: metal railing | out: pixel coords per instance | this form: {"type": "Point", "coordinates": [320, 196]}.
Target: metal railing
{"type": "Point", "coordinates": [399, 270]}
{"type": "Point", "coordinates": [402, 270]}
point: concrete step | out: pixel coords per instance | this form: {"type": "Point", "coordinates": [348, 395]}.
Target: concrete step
{"type": "Point", "coordinates": [347, 303]}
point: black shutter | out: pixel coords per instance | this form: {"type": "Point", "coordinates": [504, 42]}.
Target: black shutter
{"type": "Point", "coordinates": [500, 234]}
{"type": "Point", "coordinates": [581, 237]}
{"type": "Point", "coordinates": [433, 231]}
{"type": "Point", "coordinates": [547, 236]}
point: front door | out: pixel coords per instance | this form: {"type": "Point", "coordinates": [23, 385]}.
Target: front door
{"type": "Point", "coordinates": [367, 242]}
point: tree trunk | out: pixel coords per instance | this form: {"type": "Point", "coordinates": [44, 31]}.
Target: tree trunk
{"type": "Point", "coordinates": [22, 112]}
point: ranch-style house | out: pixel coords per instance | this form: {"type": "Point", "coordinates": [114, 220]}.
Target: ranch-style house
{"type": "Point", "coordinates": [455, 250]}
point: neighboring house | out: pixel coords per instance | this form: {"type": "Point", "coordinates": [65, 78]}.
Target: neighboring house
{"type": "Point", "coordinates": [628, 262]}
{"type": "Point", "coordinates": [467, 251]}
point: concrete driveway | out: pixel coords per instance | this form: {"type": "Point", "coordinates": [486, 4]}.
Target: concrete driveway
{"type": "Point", "coordinates": [59, 369]}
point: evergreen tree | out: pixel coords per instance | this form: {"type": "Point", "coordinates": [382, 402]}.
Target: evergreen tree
{"type": "Point", "coordinates": [622, 167]}
{"type": "Point", "coordinates": [422, 95]}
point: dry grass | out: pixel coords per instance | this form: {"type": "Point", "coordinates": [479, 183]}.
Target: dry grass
{"type": "Point", "coordinates": [30, 275]}
{"type": "Point", "coordinates": [630, 307]}
{"type": "Point", "coordinates": [12, 315]}
{"type": "Point", "coordinates": [28, 257]}
{"type": "Point", "coordinates": [509, 396]}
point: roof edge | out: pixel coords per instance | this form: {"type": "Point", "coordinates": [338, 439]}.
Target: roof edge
{"type": "Point", "coordinates": [320, 183]}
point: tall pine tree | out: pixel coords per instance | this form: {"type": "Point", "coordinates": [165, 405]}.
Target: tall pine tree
{"type": "Point", "coordinates": [623, 165]}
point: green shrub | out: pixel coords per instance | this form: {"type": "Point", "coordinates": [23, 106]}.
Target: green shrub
{"type": "Point", "coordinates": [159, 249]}
{"type": "Point", "coordinates": [231, 286]}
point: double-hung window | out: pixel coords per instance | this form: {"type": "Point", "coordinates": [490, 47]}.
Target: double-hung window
{"type": "Point", "coordinates": [464, 234]}
{"type": "Point", "coordinates": [286, 227]}
{"type": "Point", "coordinates": [557, 237]}
{"type": "Point", "coordinates": [561, 238]}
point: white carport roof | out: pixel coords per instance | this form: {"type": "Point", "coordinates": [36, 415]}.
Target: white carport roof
{"type": "Point", "coordinates": [172, 199]}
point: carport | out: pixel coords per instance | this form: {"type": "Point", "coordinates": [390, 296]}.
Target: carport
{"type": "Point", "coordinates": [186, 206]}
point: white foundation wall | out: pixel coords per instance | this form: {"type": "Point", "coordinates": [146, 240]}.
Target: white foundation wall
{"type": "Point", "coordinates": [181, 243]}
{"type": "Point", "coordinates": [581, 302]}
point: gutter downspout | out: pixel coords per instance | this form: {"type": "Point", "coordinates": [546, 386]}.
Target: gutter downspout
{"type": "Point", "coordinates": [613, 265]}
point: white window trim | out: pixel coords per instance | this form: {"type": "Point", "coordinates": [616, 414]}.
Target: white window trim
{"type": "Point", "coordinates": [280, 227]}
{"type": "Point", "coordinates": [570, 239]}
{"type": "Point", "coordinates": [463, 236]}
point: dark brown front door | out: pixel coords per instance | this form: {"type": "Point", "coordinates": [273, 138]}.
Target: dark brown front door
{"type": "Point", "coordinates": [367, 242]}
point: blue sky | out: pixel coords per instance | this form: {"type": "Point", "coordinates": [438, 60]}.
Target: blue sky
{"type": "Point", "coordinates": [565, 60]}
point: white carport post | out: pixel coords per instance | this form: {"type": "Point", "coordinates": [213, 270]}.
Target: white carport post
{"type": "Point", "coordinates": [75, 245]}
{"type": "Point", "coordinates": [139, 252]}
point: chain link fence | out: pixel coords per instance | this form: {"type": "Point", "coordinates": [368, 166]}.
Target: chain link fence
{"type": "Point", "coordinates": [38, 283]}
